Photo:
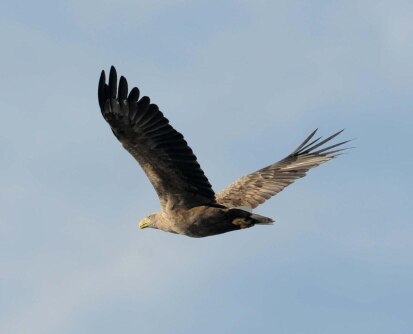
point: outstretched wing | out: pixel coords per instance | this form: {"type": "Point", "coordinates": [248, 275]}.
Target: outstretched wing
{"type": "Point", "coordinates": [255, 188]}
{"type": "Point", "coordinates": [161, 151]}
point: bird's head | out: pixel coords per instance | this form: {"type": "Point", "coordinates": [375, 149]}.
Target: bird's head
{"type": "Point", "coordinates": [148, 221]}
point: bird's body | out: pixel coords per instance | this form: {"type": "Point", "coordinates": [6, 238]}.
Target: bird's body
{"type": "Point", "coordinates": [206, 220]}
{"type": "Point", "coordinates": [189, 206]}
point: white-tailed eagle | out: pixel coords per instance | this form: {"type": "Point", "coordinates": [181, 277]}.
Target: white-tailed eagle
{"type": "Point", "coordinates": [189, 206]}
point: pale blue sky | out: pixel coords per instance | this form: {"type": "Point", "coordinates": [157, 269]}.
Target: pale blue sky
{"type": "Point", "coordinates": [245, 82]}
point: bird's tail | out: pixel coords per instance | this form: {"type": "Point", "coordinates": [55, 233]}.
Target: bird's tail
{"type": "Point", "coordinates": [262, 220]}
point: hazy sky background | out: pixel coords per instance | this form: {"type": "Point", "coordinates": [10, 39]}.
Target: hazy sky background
{"type": "Point", "coordinates": [245, 82]}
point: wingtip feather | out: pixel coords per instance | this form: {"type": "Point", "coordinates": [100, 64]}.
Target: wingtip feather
{"type": "Point", "coordinates": [305, 141]}
{"type": "Point", "coordinates": [123, 89]}
{"type": "Point", "coordinates": [312, 148]}
{"type": "Point", "coordinates": [101, 89]}
{"type": "Point", "coordinates": [113, 80]}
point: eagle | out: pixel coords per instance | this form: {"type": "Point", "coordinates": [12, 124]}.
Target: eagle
{"type": "Point", "coordinates": [188, 205]}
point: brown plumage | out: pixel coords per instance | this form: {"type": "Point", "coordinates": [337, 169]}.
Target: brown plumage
{"type": "Point", "coordinates": [189, 206]}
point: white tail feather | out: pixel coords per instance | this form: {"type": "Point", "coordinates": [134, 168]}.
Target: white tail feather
{"type": "Point", "coordinates": [262, 219]}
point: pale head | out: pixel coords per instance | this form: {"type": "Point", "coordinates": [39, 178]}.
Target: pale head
{"type": "Point", "coordinates": [148, 221]}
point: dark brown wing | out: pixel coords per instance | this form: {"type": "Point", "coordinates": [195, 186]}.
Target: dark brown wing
{"type": "Point", "coordinates": [255, 188]}
{"type": "Point", "coordinates": [161, 151]}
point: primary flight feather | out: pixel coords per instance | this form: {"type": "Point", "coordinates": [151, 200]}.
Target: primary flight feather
{"type": "Point", "coordinates": [189, 206]}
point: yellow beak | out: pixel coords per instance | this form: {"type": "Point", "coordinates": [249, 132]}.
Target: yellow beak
{"type": "Point", "coordinates": [144, 223]}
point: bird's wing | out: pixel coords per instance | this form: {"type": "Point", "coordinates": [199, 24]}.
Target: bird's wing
{"type": "Point", "coordinates": [161, 151]}
{"type": "Point", "coordinates": [255, 188]}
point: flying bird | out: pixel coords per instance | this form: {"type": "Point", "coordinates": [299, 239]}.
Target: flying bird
{"type": "Point", "coordinates": [188, 204]}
